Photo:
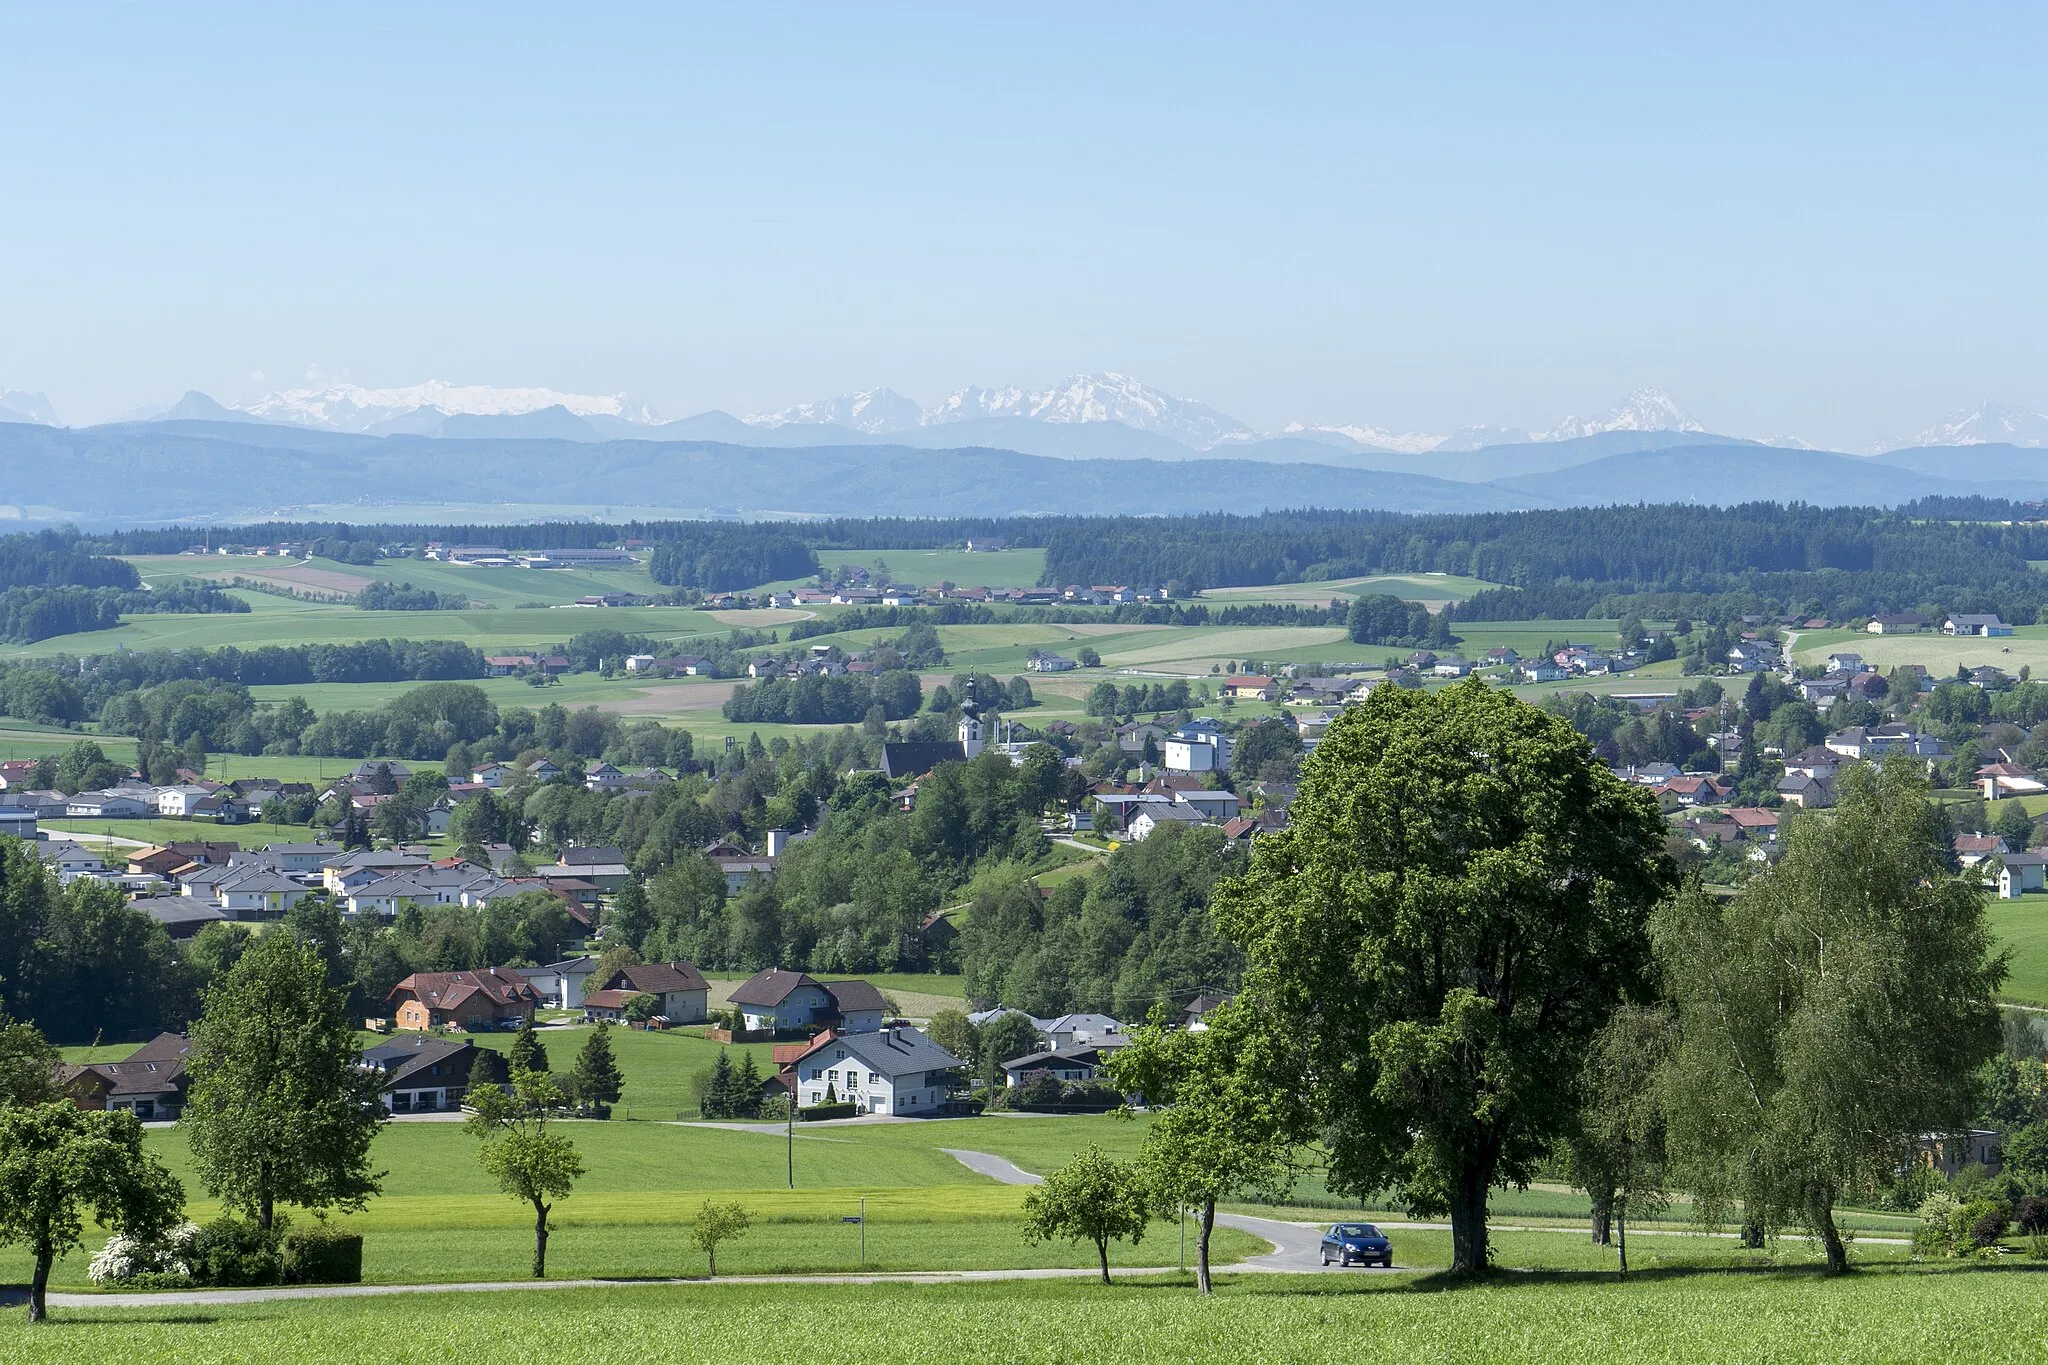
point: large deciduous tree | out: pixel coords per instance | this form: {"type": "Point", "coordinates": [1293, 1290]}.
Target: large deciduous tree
{"type": "Point", "coordinates": [1459, 905]}
{"type": "Point", "coordinates": [1832, 1012]}
{"type": "Point", "coordinates": [280, 1109]}
{"type": "Point", "coordinates": [57, 1162]}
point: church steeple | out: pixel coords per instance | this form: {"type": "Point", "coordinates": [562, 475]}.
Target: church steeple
{"type": "Point", "coordinates": [970, 721]}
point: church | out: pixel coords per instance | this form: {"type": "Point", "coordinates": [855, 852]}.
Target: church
{"type": "Point", "coordinates": [914, 758]}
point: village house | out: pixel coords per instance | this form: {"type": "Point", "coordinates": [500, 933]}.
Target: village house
{"type": "Point", "coordinates": [561, 984]}
{"type": "Point", "coordinates": [681, 994]}
{"type": "Point", "coordinates": [1805, 792]}
{"type": "Point", "coordinates": [1248, 687]}
{"type": "Point", "coordinates": [2020, 873]}
{"type": "Point", "coordinates": [475, 1002]}
{"type": "Point", "coordinates": [1895, 623]}
{"type": "Point", "coordinates": [150, 1082]}
{"type": "Point", "coordinates": [1972, 849]}
{"type": "Point", "coordinates": [1152, 817]}
{"type": "Point", "coordinates": [422, 1075]}
{"type": "Point", "coordinates": [1996, 780]}
{"type": "Point", "coordinates": [1972, 624]}
{"type": "Point", "coordinates": [890, 1071]}
{"type": "Point", "coordinates": [784, 1001]}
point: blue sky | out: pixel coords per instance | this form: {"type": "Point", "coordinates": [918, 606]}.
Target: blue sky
{"type": "Point", "coordinates": [1826, 223]}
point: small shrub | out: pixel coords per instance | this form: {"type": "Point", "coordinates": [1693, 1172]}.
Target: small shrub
{"type": "Point", "coordinates": [1987, 1221]}
{"type": "Point", "coordinates": [323, 1255]}
{"type": "Point", "coordinates": [129, 1260]}
{"type": "Point", "coordinates": [1040, 1088]}
{"type": "Point", "coordinates": [2032, 1215]}
{"type": "Point", "coordinates": [1912, 1188]}
{"type": "Point", "coordinates": [1936, 1234]}
{"type": "Point", "coordinates": [233, 1251]}
{"type": "Point", "coordinates": [814, 1113]}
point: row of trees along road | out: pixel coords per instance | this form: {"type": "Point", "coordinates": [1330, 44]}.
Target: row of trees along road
{"type": "Point", "coordinates": [1469, 953]}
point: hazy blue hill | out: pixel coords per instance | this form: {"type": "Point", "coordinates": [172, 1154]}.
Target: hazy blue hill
{"type": "Point", "coordinates": [1988, 463]}
{"type": "Point", "coordinates": [252, 432]}
{"type": "Point", "coordinates": [1055, 440]}
{"type": "Point", "coordinates": [198, 407]}
{"type": "Point", "coordinates": [222, 471]}
{"type": "Point", "coordinates": [556, 423]}
{"type": "Point", "coordinates": [1727, 474]}
{"type": "Point", "coordinates": [1494, 463]}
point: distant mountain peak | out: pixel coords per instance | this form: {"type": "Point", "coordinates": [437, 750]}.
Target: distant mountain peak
{"type": "Point", "coordinates": [1987, 423]}
{"type": "Point", "coordinates": [1644, 410]}
{"type": "Point", "coordinates": [1103, 397]}
{"type": "Point", "coordinates": [875, 411]}
{"type": "Point", "coordinates": [1376, 438]}
{"type": "Point", "coordinates": [18, 405]}
{"type": "Point", "coordinates": [352, 407]}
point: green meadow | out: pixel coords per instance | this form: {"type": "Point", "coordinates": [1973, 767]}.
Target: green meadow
{"type": "Point", "coordinates": [1432, 589]}
{"type": "Point", "coordinates": [281, 621]}
{"type": "Point", "coordinates": [1759, 1310]}
{"type": "Point", "coordinates": [1020, 568]}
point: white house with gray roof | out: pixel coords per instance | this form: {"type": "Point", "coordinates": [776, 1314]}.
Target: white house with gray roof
{"type": "Point", "coordinates": [892, 1071]}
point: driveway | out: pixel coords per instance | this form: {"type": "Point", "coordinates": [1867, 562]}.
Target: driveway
{"type": "Point", "coordinates": [1297, 1248]}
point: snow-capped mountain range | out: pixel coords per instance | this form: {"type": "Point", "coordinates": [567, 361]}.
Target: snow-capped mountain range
{"type": "Point", "coordinates": [351, 407]}
{"type": "Point", "coordinates": [1985, 424]}
{"type": "Point", "coordinates": [1112, 397]}
{"type": "Point", "coordinates": [1113, 412]}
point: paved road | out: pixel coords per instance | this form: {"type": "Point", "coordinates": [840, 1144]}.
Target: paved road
{"type": "Point", "coordinates": [1297, 1248]}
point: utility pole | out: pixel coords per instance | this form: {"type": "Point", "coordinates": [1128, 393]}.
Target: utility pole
{"type": "Point", "coordinates": [789, 1124]}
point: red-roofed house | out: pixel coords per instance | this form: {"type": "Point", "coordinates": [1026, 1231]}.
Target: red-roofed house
{"type": "Point", "coordinates": [476, 1002]}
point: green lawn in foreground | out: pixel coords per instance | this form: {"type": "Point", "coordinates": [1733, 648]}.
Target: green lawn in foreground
{"type": "Point", "coordinates": [1676, 1314]}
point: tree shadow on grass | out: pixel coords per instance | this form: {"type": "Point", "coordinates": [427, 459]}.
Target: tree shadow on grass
{"type": "Point", "coordinates": [86, 1317]}
{"type": "Point", "coordinates": [1443, 1281]}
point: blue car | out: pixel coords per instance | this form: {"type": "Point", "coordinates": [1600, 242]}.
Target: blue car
{"type": "Point", "coordinates": [1357, 1244]}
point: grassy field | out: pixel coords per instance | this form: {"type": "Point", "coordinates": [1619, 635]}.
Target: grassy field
{"type": "Point", "coordinates": [495, 587]}
{"type": "Point", "coordinates": [1941, 654]}
{"type": "Point", "coordinates": [2022, 925]}
{"type": "Point", "coordinates": [280, 621]}
{"type": "Point", "coordinates": [665, 698]}
{"type": "Point", "coordinates": [996, 569]}
{"type": "Point", "coordinates": [441, 1217]}
{"type": "Point", "coordinates": [1680, 1308]}
{"type": "Point", "coordinates": [1431, 589]}
{"type": "Point", "coordinates": [108, 833]}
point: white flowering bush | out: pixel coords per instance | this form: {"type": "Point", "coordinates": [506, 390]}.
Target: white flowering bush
{"type": "Point", "coordinates": [125, 1258]}
{"type": "Point", "coordinates": [1938, 1233]}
